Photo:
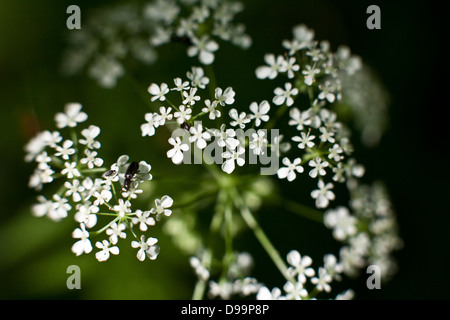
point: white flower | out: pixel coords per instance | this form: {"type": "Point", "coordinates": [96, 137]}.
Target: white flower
{"type": "Point", "coordinates": [187, 28]}
{"type": "Point", "coordinates": [197, 77]}
{"type": "Point", "coordinates": [299, 119]}
{"type": "Point", "coordinates": [65, 151]}
{"type": "Point", "coordinates": [246, 286]}
{"type": "Point", "coordinates": [176, 153]}
{"type": "Point", "coordinates": [122, 208]}
{"type": "Point", "coordinates": [190, 98]}
{"type": "Point", "coordinates": [342, 223]}
{"type": "Point", "coordinates": [102, 197]}
{"type": "Point", "coordinates": [224, 289]}
{"type": "Point", "coordinates": [180, 85]}
{"type": "Point", "coordinates": [211, 108]}
{"type": "Point", "coordinates": [146, 248]}
{"type": "Point", "coordinates": [260, 112]}
{"type": "Point", "coordinates": [60, 208]}
{"type": "Point", "coordinates": [183, 114]}
{"type": "Point", "coordinates": [299, 266]}
{"type": "Point", "coordinates": [290, 169]}
{"type": "Point", "coordinates": [43, 206]}
{"type": "Point", "coordinates": [84, 244]}
{"type": "Point", "coordinates": [91, 160]}
{"type": "Point", "coordinates": [165, 114]}
{"type": "Point", "coordinates": [327, 91]}
{"type": "Point", "coordinates": [322, 282]}
{"type": "Point", "coordinates": [240, 119]}
{"type": "Point", "coordinates": [40, 176]}
{"type": "Point", "coordinates": [346, 295]}
{"type": "Point", "coordinates": [38, 143]}
{"type": "Point", "coordinates": [332, 266]}
{"type": "Point", "coordinates": [158, 92]}
{"type": "Point", "coordinates": [106, 250]}
{"type": "Point", "coordinates": [106, 70]}
{"type": "Point", "coordinates": [318, 166]}
{"type": "Point", "coordinates": [310, 74]}
{"type": "Point", "coordinates": [225, 137]}
{"type": "Point", "coordinates": [323, 195]}
{"type": "Point", "coordinates": [228, 166]}
{"type": "Point", "coordinates": [74, 189]}
{"type": "Point", "coordinates": [71, 117]}
{"type": "Point", "coordinates": [71, 170]}
{"type": "Point", "coordinates": [227, 97]}
{"type": "Point", "coordinates": [326, 135]}
{"type": "Point", "coordinates": [161, 11]}
{"type": "Point", "coordinates": [200, 270]}
{"type": "Point", "coordinates": [347, 61]}
{"type": "Point", "coordinates": [290, 67]}
{"type": "Point", "coordinates": [204, 47]}
{"type": "Point", "coordinates": [295, 291]}
{"type": "Point", "coordinates": [162, 206]}
{"type": "Point", "coordinates": [85, 215]}
{"type": "Point", "coordinates": [335, 152]}
{"type": "Point", "coordinates": [198, 135]}
{"type": "Point", "coordinates": [305, 140]}
{"type": "Point", "coordinates": [259, 142]}
{"type": "Point", "coordinates": [153, 121]}
{"type": "Point", "coordinates": [90, 134]}
{"type": "Point", "coordinates": [282, 96]}
{"type": "Point", "coordinates": [142, 217]}
{"type": "Point", "coordinates": [115, 232]}
{"type": "Point", "coordinates": [303, 35]}
{"type": "Point", "coordinates": [271, 70]}
{"type": "Point", "coordinates": [265, 294]}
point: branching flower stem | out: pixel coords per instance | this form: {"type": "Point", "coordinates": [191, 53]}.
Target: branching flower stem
{"type": "Point", "coordinates": [253, 224]}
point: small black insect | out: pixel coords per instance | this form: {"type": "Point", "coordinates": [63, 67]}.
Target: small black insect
{"type": "Point", "coordinates": [109, 173]}
{"type": "Point", "coordinates": [185, 126]}
{"type": "Point", "coordinates": [133, 168]}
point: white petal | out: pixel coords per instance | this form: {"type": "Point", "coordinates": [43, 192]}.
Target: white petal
{"type": "Point", "coordinates": [166, 201]}
{"type": "Point", "coordinates": [206, 57]}
{"type": "Point", "coordinates": [282, 173]}
{"type": "Point", "coordinates": [228, 166]}
{"type": "Point", "coordinates": [177, 157]}
{"type": "Point", "coordinates": [263, 72]}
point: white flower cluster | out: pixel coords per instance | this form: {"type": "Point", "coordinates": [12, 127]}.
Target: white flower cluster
{"type": "Point", "coordinates": [368, 228]}
{"type": "Point", "coordinates": [115, 33]}
{"type": "Point", "coordinates": [84, 194]}
{"type": "Point", "coordinates": [235, 282]}
{"type": "Point", "coordinates": [300, 271]}
{"type": "Point", "coordinates": [206, 20]}
{"type": "Point", "coordinates": [109, 36]}
{"type": "Point", "coordinates": [233, 140]}
{"type": "Point", "coordinates": [323, 143]}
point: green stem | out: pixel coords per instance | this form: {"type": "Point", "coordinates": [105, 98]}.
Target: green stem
{"type": "Point", "coordinates": [261, 236]}
{"type": "Point", "coordinates": [216, 222]}
{"type": "Point", "coordinates": [212, 81]}
{"type": "Point", "coordinates": [194, 200]}
{"type": "Point", "coordinates": [297, 208]}
{"type": "Point", "coordinates": [228, 256]}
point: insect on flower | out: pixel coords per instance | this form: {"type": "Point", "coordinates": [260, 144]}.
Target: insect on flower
{"type": "Point", "coordinates": [133, 168]}
{"type": "Point", "coordinates": [186, 126]}
{"type": "Point", "coordinates": [109, 173]}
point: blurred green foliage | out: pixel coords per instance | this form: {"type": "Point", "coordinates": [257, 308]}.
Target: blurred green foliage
{"type": "Point", "coordinates": [35, 253]}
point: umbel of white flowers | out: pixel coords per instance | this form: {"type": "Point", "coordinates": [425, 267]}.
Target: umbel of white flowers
{"type": "Point", "coordinates": [75, 166]}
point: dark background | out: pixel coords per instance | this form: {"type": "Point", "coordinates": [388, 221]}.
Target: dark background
{"type": "Point", "coordinates": [409, 54]}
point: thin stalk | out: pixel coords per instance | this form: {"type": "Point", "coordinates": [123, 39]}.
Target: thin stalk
{"type": "Point", "coordinates": [300, 209]}
{"type": "Point", "coordinates": [261, 236]}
